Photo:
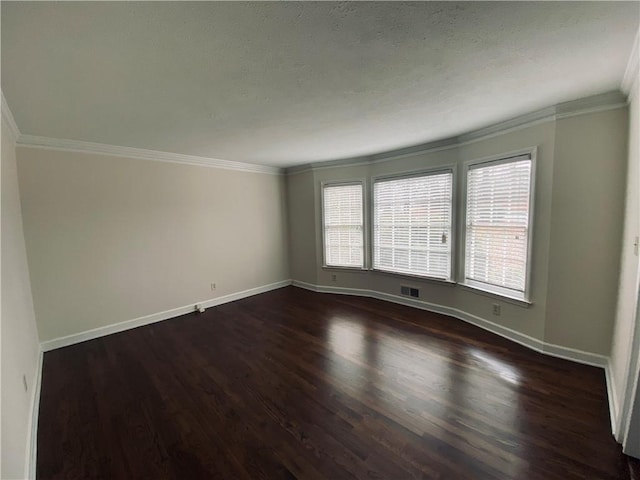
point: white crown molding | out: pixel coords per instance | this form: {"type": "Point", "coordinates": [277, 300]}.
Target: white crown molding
{"type": "Point", "coordinates": [582, 106]}
{"type": "Point", "coordinates": [8, 116]}
{"type": "Point", "coordinates": [528, 119]}
{"type": "Point", "coordinates": [633, 66]}
{"type": "Point", "coordinates": [592, 104]}
{"type": "Point", "coordinates": [155, 317]}
{"type": "Point", "coordinates": [34, 141]}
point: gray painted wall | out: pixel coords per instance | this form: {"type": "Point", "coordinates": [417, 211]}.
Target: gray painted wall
{"type": "Point", "coordinates": [586, 230]}
{"type": "Point", "coordinates": [300, 206]}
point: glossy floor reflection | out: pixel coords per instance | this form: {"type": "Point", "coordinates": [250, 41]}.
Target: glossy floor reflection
{"type": "Point", "coordinates": [294, 384]}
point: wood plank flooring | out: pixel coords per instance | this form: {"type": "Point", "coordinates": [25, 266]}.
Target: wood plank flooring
{"type": "Point", "coordinates": [296, 384]}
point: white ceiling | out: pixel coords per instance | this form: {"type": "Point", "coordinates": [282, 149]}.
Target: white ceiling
{"type": "Point", "coordinates": [290, 83]}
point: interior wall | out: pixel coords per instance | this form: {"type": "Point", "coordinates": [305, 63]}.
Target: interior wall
{"type": "Point", "coordinates": [111, 239]}
{"type": "Point", "coordinates": [532, 320]}
{"type": "Point", "coordinates": [300, 209]}
{"type": "Point", "coordinates": [627, 327]}
{"type": "Point", "coordinates": [20, 345]}
{"type": "Point", "coordinates": [586, 229]}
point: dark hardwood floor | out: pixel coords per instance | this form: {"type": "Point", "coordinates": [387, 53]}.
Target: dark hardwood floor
{"type": "Point", "coordinates": [295, 384]}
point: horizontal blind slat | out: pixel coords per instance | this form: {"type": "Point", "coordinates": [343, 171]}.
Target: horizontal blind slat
{"type": "Point", "coordinates": [343, 225]}
{"type": "Point", "coordinates": [497, 223]}
{"type": "Point", "coordinates": [412, 225]}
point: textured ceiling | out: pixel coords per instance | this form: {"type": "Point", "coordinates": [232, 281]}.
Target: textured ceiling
{"type": "Point", "coordinates": [290, 83]}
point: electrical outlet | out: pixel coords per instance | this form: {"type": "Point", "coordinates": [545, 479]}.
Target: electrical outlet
{"type": "Point", "coordinates": [24, 382]}
{"type": "Point", "coordinates": [333, 278]}
{"type": "Point", "coordinates": [496, 309]}
{"type": "Point", "coordinates": [213, 286]}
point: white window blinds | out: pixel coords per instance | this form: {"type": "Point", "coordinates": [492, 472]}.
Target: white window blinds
{"type": "Point", "coordinates": [497, 223]}
{"type": "Point", "coordinates": [343, 225]}
{"type": "Point", "coordinates": [412, 224]}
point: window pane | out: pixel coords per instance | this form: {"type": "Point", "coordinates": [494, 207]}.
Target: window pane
{"type": "Point", "coordinates": [498, 224]}
{"type": "Point", "coordinates": [412, 225]}
{"type": "Point", "coordinates": [343, 225]}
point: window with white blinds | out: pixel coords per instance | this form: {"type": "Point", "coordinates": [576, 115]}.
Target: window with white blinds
{"type": "Point", "coordinates": [343, 225]}
{"type": "Point", "coordinates": [497, 225]}
{"type": "Point", "coordinates": [412, 219]}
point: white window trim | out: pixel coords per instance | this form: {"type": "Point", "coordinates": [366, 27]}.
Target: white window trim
{"type": "Point", "coordinates": [470, 286]}
{"type": "Point", "coordinates": [409, 276]}
{"type": "Point", "coordinates": [365, 226]}
{"type": "Point", "coordinates": [480, 287]}
{"type": "Point", "coordinates": [446, 168]}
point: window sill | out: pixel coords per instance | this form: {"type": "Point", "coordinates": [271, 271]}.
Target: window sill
{"type": "Point", "coordinates": [522, 302]}
{"type": "Point", "coordinates": [345, 269]}
{"type": "Point", "coordinates": [416, 277]}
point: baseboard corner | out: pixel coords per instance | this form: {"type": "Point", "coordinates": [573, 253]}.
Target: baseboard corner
{"type": "Point", "coordinates": [612, 399]}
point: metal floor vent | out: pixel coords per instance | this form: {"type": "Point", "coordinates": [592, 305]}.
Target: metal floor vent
{"type": "Point", "coordinates": [409, 291]}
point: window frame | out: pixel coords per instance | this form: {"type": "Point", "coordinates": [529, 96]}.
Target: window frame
{"type": "Point", "coordinates": [365, 245]}
{"type": "Point", "coordinates": [485, 288]}
{"type": "Point", "coordinates": [446, 168]}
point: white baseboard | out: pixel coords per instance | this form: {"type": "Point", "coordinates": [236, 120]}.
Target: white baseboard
{"type": "Point", "coordinates": [559, 351]}
{"type": "Point", "coordinates": [614, 407]}
{"type": "Point", "coordinates": [32, 441]}
{"type": "Point", "coordinates": [155, 317]}
{"type": "Point", "coordinates": [540, 346]}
